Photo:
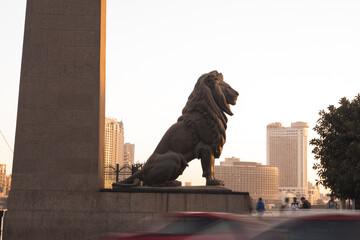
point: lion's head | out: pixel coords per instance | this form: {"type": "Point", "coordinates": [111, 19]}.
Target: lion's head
{"type": "Point", "coordinates": [223, 94]}
{"type": "Point", "coordinates": [212, 93]}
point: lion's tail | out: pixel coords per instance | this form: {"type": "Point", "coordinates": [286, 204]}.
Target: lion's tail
{"type": "Point", "coordinates": [135, 183]}
{"type": "Point", "coordinates": [132, 181]}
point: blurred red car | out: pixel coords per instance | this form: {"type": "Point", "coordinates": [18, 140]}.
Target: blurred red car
{"type": "Point", "coordinates": [195, 226]}
{"type": "Point", "coordinates": [331, 226]}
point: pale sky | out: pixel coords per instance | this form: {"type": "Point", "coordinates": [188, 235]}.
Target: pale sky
{"type": "Point", "coordinates": [288, 59]}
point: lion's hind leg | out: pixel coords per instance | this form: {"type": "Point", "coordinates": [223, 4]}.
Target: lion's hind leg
{"type": "Point", "coordinates": [163, 169]}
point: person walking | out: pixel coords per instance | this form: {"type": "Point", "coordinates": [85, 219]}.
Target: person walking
{"type": "Point", "coordinates": [305, 203]}
{"type": "Point", "coordinates": [331, 204]}
{"type": "Point", "coordinates": [260, 207]}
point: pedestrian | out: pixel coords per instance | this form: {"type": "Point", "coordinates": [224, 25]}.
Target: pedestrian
{"type": "Point", "coordinates": [285, 205]}
{"type": "Point", "coordinates": [305, 203]}
{"type": "Point", "coordinates": [331, 204]}
{"type": "Point", "coordinates": [260, 207]}
{"type": "Point", "coordinates": [295, 204]}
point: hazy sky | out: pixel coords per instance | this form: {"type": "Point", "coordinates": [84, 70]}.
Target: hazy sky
{"type": "Point", "coordinates": [287, 59]}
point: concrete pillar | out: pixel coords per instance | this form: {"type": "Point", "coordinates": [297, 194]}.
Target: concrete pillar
{"type": "Point", "coordinates": [59, 140]}
{"type": "Point", "coordinates": [60, 122]}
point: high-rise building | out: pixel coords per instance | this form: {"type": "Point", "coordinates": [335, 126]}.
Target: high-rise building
{"type": "Point", "coordinates": [287, 150]}
{"type": "Point", "coordinates": [3, 195]}
{"type": "Point", "coordinates": [8, 184]}
{"type": "Point", "coordinates": [2, 178]}
{"type": "Point", "coordinates": [129, 153]}
{"type": "Point", "coordinates": [114, 149]}
{"type": "Point", "coordinates": [257, 179]}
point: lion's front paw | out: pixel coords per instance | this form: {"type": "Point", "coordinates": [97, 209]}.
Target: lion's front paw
{"type": "Point", "coordinates": [215, 182]}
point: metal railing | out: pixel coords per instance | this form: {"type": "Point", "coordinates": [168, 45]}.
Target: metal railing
{"type": "Point", "coordinates": [115, 173]}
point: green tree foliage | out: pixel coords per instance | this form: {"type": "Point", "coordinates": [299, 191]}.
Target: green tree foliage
{"type": "Point", "coordinates": [338, 149]}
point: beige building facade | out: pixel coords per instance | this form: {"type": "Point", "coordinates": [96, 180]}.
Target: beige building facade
{"type": "Point", "coordinates": [114, 148]}
{"type": "Point", "coordinates": [287, 150]}
{"type": "Point", "coordinates": [2, 178]}
{"type": "Point", "coordinates": [257, 179]}
{"type": "Point", "coordinates": [8, 184]}
{"type": "Point", "coordinates": [129, 153]}
{"type": "Point", "coordinates": [5, 183]}
{"type": "Point", "coordinates": [313, 193]}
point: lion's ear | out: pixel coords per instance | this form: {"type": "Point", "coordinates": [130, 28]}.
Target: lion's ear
{"type": "Point", "coordinates": [211, 80]}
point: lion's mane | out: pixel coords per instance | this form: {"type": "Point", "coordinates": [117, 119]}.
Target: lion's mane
{"type": "Point", "coordinates": [202, 101]}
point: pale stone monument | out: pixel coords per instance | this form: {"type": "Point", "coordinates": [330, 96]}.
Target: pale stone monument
{"type": "Point", "coordinates": [58, 157]}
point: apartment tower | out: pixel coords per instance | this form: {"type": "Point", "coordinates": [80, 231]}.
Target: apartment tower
{"type": "Point", "coordinates": [114, 148]}
{"type": "Point", "coordinates": [129, 153]}
{"type": "Point", "coordinates": [2, 178]}
{"type": "Point", "coordinates": [287, 150]}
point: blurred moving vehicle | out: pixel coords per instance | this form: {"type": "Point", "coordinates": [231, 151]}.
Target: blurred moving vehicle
{"type": "Point", "coordinates": [331, 226]}
{"type": "Point", "coordinates": [195, 226]}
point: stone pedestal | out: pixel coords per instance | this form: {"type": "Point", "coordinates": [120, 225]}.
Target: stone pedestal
{"type": "Point", "coordinates": [59, 215]}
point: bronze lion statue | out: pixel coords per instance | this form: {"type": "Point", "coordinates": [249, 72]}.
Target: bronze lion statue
{"type": "Point", "coordinates": [198, 133]}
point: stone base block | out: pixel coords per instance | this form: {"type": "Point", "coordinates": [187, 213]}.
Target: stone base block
{"type": "Point", "coordinates": [77, 215]}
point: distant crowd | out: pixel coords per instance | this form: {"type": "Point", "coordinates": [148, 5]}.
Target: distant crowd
{"type": "Point", "coordinates": [294, 205]}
